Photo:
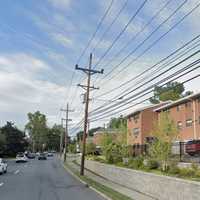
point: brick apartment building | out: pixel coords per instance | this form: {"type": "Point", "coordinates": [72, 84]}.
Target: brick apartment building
{"type": "Point", "coordinates": [140, 124]}
{"type": "Point", "coordinates": [185, 113]}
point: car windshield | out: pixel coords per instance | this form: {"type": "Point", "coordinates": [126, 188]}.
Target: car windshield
{"type": "Point", "coordinates": [20, 155]}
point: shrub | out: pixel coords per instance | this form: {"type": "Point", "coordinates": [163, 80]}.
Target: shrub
{"type": "Point", "coordinates": [152, 164]}
{"type": "Point", "coordinates": [136, 163]}
{"type": "Point", "coordinates": [174, 169]}
{"type": "Point", "coordinates": [187, 172]}
{"type": "Point", "coordinates": [90, 148]}
{"type": "Point", "coordinates": [96, 158]}
{"type": "Point", "coordinates": [113, 153]}
{"type": "Point", "coordinates": [72, 148]}
{"type": "Point", "coordinates": [194, 166]}
{"type": "Point", "coordinates": [197, 173]}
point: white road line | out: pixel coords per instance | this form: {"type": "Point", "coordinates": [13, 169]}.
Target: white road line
{"type": "Point", "coordinates": [16, 172]}
{"type": "Point", "coordinates": [1, 184]}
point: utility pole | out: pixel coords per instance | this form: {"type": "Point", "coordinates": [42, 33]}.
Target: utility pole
{"type": "Point", "coordinates": [89, 71]}
{"type": "Point", "coordinates": [61, 138]}
{"type": "Point", "coordinates": [66, 129]}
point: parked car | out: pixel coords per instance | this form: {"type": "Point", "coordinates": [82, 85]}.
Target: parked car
{"type": "Point", "coordinates": [193, 147]}
{"type": "Point", "coordinates": [31, 155]}
{"type": "Point", "coordinates": [38, 153]}
{"type": "Point", "coordinates": [21, 158]}
{"type": "Point", "coordinates": [3, 166]}
{"type": "Point", "coordinates": [49, 154]}
{"type": "Point", "coordinates": [42, 156]}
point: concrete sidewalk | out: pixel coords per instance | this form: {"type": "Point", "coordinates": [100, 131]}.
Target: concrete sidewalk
{"type": "Point", "coordinates": [119, 188]}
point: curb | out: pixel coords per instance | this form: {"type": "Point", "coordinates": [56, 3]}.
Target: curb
{"type": "Point", "coordinates": [84, 183]}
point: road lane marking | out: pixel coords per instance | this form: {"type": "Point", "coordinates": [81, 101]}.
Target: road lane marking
{"type": "Point", "coordinates": [1, 184]}
{"type": "Point", "coordinates": [16, 172]}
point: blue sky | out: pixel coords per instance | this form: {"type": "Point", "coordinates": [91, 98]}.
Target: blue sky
{"type": "Point", "coordinates": [42, 39]}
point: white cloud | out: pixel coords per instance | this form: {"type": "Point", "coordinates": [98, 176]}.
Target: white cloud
{"type": "Point", "coordinates": [61, 39]}
{"type": "Point", "coordinates": [23, 64]}
{"type": "Point", "coordinates": [61, 4]}
{"type": "Point", "coordinates": [21, 91]}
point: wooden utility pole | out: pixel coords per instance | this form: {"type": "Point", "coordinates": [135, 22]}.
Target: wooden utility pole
{"type": "Point", "coordinates": [66, 129]}
{"type": "Point", "coordinates": [89, 71]}
{"type": "Point", "coordinates": [61, 138]}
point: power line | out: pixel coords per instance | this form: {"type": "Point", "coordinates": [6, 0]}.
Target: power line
{"type": "Point", "coordinates": [150, 47]}
{"type": "Point", "coordinates": [125, 101]}
{"type": "Point", "coordinates": [90, 41]}
{"type": "Point", "coordinates": [175, 58]}
{"type": "Point", "coordinates": [147, 99]}
{"type": "Point", "coordinates": [120, 34]}
{"type": "Point", "coordinates": [111, 24]}
{"type": "Point", "coordinates": [137, 34]}
{"type": "Point", "coordinates": [152, 44]}
{"type": "Point", "coordinates": [94, 34]}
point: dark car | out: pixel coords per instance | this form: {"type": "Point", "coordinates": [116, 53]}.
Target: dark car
{"type": "Point", "coordinates": [193, 147]}
{"type": "Point", "coordinates": [42, 156]}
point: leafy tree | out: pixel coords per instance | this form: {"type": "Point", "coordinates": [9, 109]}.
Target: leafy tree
{"type": "Point", "coordinates": [72, 148]}
{"type": "Point", "coordinates": [165, 133]}
{"type": "Point", "coordinates": [37, 128]}
{"type": "Point", "coordinates": [172, 91]}
{"type": "Point", "coordinates": [52, 139]}
{"type": "Point", "coordinates": [90, 148]}
{"type": "Point", "coordinates": [14, 139]}
{"type": "Point", "coordinates": [117, 123]}
{"type": "Point", "coordinates": [2, 142]}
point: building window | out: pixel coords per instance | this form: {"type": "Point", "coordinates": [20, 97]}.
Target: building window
{"type": "Point", "coordinates": [135, 118]}
{"type": "Point", "coordinates": [188, 122]}
{"type": "Point", "coordinates": [178, 107]}
{"type": "Point", "coordinates": [136, 131]}
{"type": "Point", "coordinates": [188, 104]}
{"type": "Point", "coordinates": [179, 125]}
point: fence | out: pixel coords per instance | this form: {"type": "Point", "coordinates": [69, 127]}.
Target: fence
{"type": "Point", "coordinates": [179, 152]}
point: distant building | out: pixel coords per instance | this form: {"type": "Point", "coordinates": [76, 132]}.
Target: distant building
{"type": "Point", "coordinates": [98, 135]}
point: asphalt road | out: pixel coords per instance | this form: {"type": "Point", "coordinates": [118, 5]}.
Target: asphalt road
{"type": "Point", "coordinates": [42, 180]}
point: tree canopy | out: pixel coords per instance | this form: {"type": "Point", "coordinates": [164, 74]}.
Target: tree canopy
{"type": "Point", "coordinates": [43, 137]}
{"type": "Point", "coordinates": [171, 91]}
{"type": "Point", "coordinates": [117, 123]}
{"type": "Point", "coordinates": [12, 140]}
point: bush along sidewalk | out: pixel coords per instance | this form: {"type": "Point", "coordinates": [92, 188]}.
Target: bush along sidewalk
{"type": "Point", "coordinates": [108, 192]}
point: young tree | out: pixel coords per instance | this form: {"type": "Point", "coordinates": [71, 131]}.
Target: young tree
{"type": "Point", "coordinates": [165, 132]}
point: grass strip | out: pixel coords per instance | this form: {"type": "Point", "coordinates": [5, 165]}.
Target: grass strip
{"type": "Point", "coordinates": [114, 195]}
